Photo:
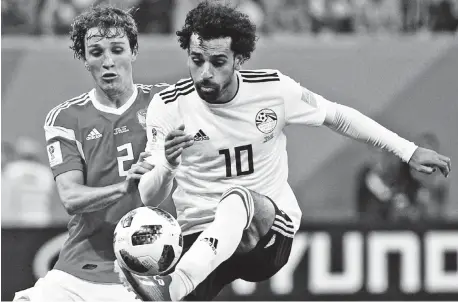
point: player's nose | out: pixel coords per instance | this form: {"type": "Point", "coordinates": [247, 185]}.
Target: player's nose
{"type": "Point", "coordinates": [108, 62]}
{"type": "Point", "coordinates": [207, 72]}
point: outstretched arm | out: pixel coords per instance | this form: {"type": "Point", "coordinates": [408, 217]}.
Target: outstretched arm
{"type": "Point", "coordinates": [78, 198]}
{"type": "Point", "coordinates": [352, 123]}
{"type": "Point", "coordinates": [303, 106]}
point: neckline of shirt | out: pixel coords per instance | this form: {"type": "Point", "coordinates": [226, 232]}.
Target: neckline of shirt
{"type": "Point", "coordinates": [118, 111]}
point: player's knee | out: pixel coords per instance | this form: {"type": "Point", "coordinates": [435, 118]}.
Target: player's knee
{"type": "Point", "coordinates": [246, 198]}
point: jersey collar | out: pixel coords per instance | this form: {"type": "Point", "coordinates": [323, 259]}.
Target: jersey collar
{"type": "Point", "coordinates": [118, 111]}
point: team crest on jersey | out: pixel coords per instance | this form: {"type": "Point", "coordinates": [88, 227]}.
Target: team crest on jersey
{"type": "Point", "coordinates": [141, 115]}
{"type": "Point", "coordinates": [266, 120]}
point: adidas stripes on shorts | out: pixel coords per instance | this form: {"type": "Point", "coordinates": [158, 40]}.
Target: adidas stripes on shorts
{"type": "Point", "coordinates": [265, 260]}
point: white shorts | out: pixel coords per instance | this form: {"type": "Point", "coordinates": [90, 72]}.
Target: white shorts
{"type": "Point", "coordinates": [60, 286]}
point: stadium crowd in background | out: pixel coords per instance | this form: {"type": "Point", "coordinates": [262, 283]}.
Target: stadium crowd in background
{"type": "Point", "coordinates": [388, 190]}
{"type": "Point", "coordinates": [49, 17]}
{"type": "Point", "coordinates": [28, 186]}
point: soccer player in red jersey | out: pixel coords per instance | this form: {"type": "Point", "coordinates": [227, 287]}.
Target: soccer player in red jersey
{"type": "Point", "coordinates": [94, 144]}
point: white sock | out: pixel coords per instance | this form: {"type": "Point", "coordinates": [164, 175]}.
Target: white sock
{"type": "Point", "coordinates": [215, 244]}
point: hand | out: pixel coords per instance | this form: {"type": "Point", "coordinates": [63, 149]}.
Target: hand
{"type": "Point", "coordinates": [175, 142]}
{"type": "Point", "coordinates": [427, 161]}
{"type": "Point", "coordinates": [135, 173]}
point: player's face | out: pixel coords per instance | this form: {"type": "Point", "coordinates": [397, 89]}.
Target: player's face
{"type": "Point", "coordinates": [109, 60]}
{"type": "Point", "coordinates": [212, 64]}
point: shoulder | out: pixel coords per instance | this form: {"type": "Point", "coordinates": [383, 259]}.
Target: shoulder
{"type": "Point", "coordinates": [66, 111]}
{"type": "Point", "coordinates": [151, 89]}
{"type": "Point", "coordinates": [269, 81]}
{"type": "Point", "coordinates": [260, 75]}
{"type": "Point", "coordinates": [172, 93]}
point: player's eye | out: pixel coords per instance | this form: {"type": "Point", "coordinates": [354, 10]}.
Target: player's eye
{"type": "Point", "coordinates": [96, 53]}
{"type": "Point", "coordinates": [219, 63]}
{"type": "Point", "coordinates": [197, 61]}
{"type": "Point", "coordinates": [118, 50]}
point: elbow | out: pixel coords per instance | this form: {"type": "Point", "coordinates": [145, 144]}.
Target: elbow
{"type": "Point", "coordinates": [70, 204]}
{"type": "Point", "coordinates": [69, 207]}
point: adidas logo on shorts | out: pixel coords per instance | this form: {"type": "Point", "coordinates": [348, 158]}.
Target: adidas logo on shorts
{"type": "Point", "coordinates": [212, 242]}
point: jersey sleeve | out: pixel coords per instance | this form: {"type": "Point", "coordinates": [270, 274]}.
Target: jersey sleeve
{"type": "Point", "coordinates": [63, 149]}
{"type": "Point", "coordinates": [161, 118]}
{"type": "Point", "coordinates": [302, 106]}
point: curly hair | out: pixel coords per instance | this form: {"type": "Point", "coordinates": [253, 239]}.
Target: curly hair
{"type": "Point", "coordinates": [104, 18]}
{"type": "Point", "coordinates": [212, 21]}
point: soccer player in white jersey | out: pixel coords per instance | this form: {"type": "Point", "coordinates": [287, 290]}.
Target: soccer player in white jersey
{"type": "Point", "coordinates": [220, 135]}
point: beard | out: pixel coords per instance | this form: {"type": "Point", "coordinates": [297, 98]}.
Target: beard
{"type": "Point", "coordinates": [207, 91]}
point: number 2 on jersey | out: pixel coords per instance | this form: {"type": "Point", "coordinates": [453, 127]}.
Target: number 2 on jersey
{"type": "Point", "coordinates": [238, 160]}
{"type": "Point", "coordinates": [122, 159]}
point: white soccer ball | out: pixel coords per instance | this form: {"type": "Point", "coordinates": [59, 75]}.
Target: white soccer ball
{"type": "Point", "coordinates": [147, 241]}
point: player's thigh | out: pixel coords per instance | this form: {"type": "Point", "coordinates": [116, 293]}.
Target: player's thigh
{"type": "Point", "coordinates": [271, 252]}
{"type": "Point", "coordinates": [52, 287]}
{"type": "Point", "coordinates": [263, 218]}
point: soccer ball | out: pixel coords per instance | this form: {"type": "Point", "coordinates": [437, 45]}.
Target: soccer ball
{"type": "Point", "coordinates": [147, 241]}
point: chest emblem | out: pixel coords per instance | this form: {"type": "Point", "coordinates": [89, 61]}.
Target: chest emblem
{"type": "Point", "coordinates": [266, 120]}
{"type": "Point", "coordinates": [141, 116]}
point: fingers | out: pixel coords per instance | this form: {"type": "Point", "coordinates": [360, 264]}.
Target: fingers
{"type": "Point", "coordinates": [423, 169]}
{"type": "Point", "coordinates": [142, 156]}
{"type": "Point", "coordinates": [146, 165]}
{"type": "Point", "coordinates": [428, 161]}
{"type": "Point", "coordinates": [140, 168]}
{"type": "Point", "coordinates": [432, 167]}
{"type": "Point", "coordinates": [447, 161]}
{"type": "Point", "coordinates": [135, 176]}
{"type": "Point", "coordinates": [174, 155]}
{"type": "Point", "coordinates": [178, 140]}
{"type": "Point", "coordinates": [175, 142]}
{"type": "Point", "coordinates": [182, 145]}
{"type": "Point", "coordinates": [441, 163]}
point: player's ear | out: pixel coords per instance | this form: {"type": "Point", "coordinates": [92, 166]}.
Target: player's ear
{"type": "Point", "coordinates": [238, 61]}
{"type": "Point", "coordinates": [134, 55]}
{"type": "Point", "coordinates": [86, 65]}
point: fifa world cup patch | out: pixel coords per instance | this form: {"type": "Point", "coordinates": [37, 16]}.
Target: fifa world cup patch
{"type": "Point", "coordinates": [54, 154]}
{"type": "Point", "coordinates": [157, 134]}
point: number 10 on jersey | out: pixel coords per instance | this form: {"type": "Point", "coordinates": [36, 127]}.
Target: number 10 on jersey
{"type": "Point", "coordinates": [246, 149]}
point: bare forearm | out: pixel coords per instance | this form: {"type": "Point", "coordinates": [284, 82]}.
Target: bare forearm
{"type": "Point", "coordinates": [350, 122]}
{"type": "Point", "coordinates": [156, 185]}
{"type": "Point", "coordinates": [82, 199]}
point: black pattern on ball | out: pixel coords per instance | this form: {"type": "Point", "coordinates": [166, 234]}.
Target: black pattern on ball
{"type": "Point", "coordinates": [133, 263]}
{"type": "Point", "coordinates": [167, 257]}
{"type": "Point", "coordinates": [147, 234]}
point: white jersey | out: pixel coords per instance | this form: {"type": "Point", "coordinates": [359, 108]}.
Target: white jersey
{"type": "Point", "coordinates": [237, 143]}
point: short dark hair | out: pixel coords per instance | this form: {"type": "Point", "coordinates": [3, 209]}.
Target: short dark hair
{"type": "Point", "coordinates": [103, 17]}
{"type": "Point", "coordinates": [212, 21]}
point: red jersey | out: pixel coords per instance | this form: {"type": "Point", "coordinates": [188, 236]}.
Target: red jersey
{"type": "Point", "coordinates": [102, 142]}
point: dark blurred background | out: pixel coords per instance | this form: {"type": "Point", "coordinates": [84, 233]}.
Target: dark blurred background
{"type": "Point", "coordinates": [396, 61]}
